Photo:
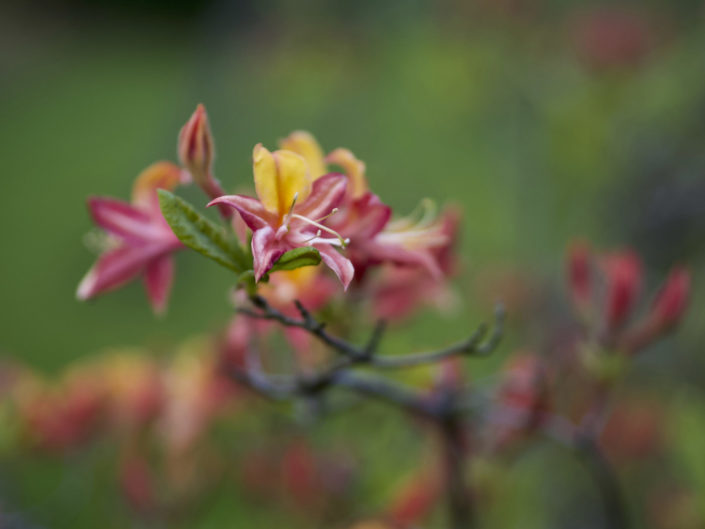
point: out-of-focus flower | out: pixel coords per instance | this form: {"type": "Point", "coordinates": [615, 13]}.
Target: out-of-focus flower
{"type": "Point", "coordinates": [137, 483]}
{"type": "Point", "coordinates": [612, 37]}
{"type": "Point", "coordinates": [372, 524]}
{"type": "Point", "coordinates": [300, 475]}
{"type": "Point", "coordinates": [63, 415]}
{"type": "Point", "coordinates": [134, 389]}
{"type": "Point", "coordinates": [635, 430]}
{"type": "Point", "coordinates": [674, 507]}
{"type": "Point", "coordinates": [290, 211]}
{"type": "Point", "coordinates": [413, 241]}
{"type": "Point", "coordinates": [397, 292]}
{"type": "Point", "coordinates": [188, 402]}
{"type": "Point", "coordinates": [307, 285]}
{"type": "Point", "coordinates": [521, 400]}
{"type": "Point", "coordinates": [291, 470]}
{"type": "Point", "coordinates": [140, 241]}
{"type": "Point", "coordinates": [415, 499]}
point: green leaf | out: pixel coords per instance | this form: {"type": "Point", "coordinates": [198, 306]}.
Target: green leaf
{"type": "Point", "coordinates": [296, 258]}
{"type": "Point", "coordinates": [200, 234]}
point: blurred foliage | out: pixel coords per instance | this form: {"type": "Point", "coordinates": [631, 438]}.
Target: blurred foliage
{"type": "Point", "coordinates": [493, 105]}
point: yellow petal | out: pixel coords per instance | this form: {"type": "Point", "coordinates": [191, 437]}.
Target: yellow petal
{"type": "Point", "coordinates": [303, 143]}
{"type": "Point", "coordinates": [353, 168]}
{"type": "Point", "coordinates": [159, 175]}
{"type": "Point", "coordinates": [279, 177]}
{"type": "Point", "coordinates": [294, 179]}
{"type": "Point", "coordinates": [266, 181]}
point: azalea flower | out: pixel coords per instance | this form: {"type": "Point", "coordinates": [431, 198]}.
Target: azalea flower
{"type": "Point", "coordinates": [366, 220]}
{"type": "Point", "coordinates": [289, 211]}
{"type": "Point", "coordinates": [140, 241]}
{"type": "Point", "coordinates": [397, 292]}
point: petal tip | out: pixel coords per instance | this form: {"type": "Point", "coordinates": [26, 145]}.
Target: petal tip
{"type": "Point", "coordinates": [86, 287]}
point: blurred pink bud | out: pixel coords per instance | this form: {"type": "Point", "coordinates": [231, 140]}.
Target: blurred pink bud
{"type": "Point", "coordinates": [672, 299]}
{"type": "Point", "coordinates": [300, 475]}
{"type": "Point", "coordinates": [636, 429]}
{"type": "Point", "coordinates": [415, 500]}
{"type": "Point", "coordinates": [623, 272]}
{"type": "Point", "coordinates": [195, 147]}
{"type": "Point", "coordinates": [610, 37]}
{"type": "Point", "coordinates": [579, 278]}
{"type": "Point", "coordinates": [136, 483]}
{"type": "Point", "coordinates": [522, 398]}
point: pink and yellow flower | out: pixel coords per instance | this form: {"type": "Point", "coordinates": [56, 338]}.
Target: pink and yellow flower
{"type": "Point", "coordinates": [140, 240]}
{"type": "Point", "coordinates": [290, 210]}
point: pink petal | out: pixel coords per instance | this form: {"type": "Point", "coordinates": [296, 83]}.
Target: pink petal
{"type": "Point", "coordinates": [337, 262]}
{"type": "Point", "coordinates": [115, 268]}
{"type": "Point", "coordinates": [120, 218]}
{"type": "Point", "coordinates": [401, 256]}
{"type": "Point", "coordinates": [251, 210]}
{"type": "Point", "coordinates": [372, 217]}
{"type": "Point", "coordinates": [158, 277]}
{"type": "Point", "coordinates": [326, 193]}
{"type": "Point", "coordinates": [266, 249]}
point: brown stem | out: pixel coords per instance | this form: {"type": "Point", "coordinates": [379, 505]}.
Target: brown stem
{"type": "Point", "coordinates": [459, 501]}
{"type": "Point", "coordinates": [613, 501]}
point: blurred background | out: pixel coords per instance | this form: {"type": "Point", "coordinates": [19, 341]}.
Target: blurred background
{"type": "Point", "coordinates": [545, 120]}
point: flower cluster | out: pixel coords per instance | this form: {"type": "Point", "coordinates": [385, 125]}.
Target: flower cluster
{"type": "Point", "coordinates": [304, 199]}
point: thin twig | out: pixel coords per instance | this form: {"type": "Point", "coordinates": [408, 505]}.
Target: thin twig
{"type": "Point", "coordinates": [613, 501]}
{"type": "Point", "coordinates": [603, 474]}
{"type": "Point", "coordinates": [412, 360]}
{"type": "Point", "coordinates": [366, 355]}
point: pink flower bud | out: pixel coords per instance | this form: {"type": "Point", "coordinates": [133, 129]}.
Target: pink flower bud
{"type": "Point", "coordinates": [623, 271]}
{"type": "Point", "coordinates": [196, 148]}
{"type": "Point", "coordinates": [672, 299]}
{"type": "Point", "coordinates": [136, 482]}
{"type": "Point", "coordinates": [578, 269]}
{"type": "Point", "coordinates": [415, 499]}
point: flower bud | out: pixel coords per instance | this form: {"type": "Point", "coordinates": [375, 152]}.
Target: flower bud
{"type": "Point", "coordinates": [415, 499]}
{"type": "Point", "coordinates": [578, 271]}
{"type": "Point", "coordinates": [196, 146]}
{"type": "Point", "coordinates": [623, 271]}
{"type": "Point", "coordinates": [672, 299]}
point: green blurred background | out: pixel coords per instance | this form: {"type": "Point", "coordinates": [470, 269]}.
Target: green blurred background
{"type": "Point", "coordinates": [545, 120]}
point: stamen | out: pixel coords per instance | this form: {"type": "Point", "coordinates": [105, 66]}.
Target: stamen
{"type": "Point", "coordinates": [285, 219]}
{"type": "Point", "coordinates": [343, 242]}
{"type": "Point", "coordinates": [293, 203]}
{"type": "Point", "coordinates": [318, 234]}
{"type": "Point", "coordinates": [333, 212]}
{"type": "Point", "coordinates": [425, 212]}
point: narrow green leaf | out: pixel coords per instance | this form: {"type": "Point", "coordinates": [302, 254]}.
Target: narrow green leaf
{"type": "Point", "coordinates": [297, 258]}
{"type": "Point", "coordinates": [200, 234]}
